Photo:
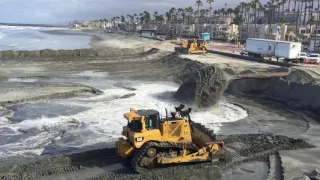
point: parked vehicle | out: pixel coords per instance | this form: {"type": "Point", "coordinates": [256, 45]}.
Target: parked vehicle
{"type": "Point", "coordinates": [313, 59]}
{"type": "Point", "coordinates": [243, 52]}
{"type": "Point", "coordinates": [303, 57]}
{"type": "Point", "coordinates": [261, 48]}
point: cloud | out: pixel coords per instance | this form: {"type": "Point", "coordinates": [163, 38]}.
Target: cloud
{"type": "Point", "coordinates": [55, 11]}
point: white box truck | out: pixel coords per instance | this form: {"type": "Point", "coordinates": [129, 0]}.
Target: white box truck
{"type": "Point", "coordinates": [286, 50]}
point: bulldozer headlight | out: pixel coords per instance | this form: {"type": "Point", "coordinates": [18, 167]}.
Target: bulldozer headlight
{"type": "Point", "coordinates": [139, 139]}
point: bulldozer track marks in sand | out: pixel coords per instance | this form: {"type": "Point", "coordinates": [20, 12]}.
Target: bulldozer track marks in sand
{"type": "Point", "coordinates": [61, 164]}
{"type": "Point", "coordinates": [257, 147]}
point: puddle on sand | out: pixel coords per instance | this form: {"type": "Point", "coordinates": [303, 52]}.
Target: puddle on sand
{"type": "Point", "coordinates": [22, 80]}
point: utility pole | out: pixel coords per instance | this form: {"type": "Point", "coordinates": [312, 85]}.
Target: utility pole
{"type": "Point", "coordinates": [316, 34]}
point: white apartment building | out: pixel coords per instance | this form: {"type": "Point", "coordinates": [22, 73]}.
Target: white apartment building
{"type": "Point", "coordinates": [263, 31]}
{"type": "Point", "coordinates": [223, 32]}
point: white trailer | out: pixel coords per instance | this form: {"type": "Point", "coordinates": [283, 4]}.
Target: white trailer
{"type": "Point", "coordinates": [287, 50]}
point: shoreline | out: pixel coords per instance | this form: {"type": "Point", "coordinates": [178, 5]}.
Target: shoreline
{"type": "Point", "coordinates": [102, 39]}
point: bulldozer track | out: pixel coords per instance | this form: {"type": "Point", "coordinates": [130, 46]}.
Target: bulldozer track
{"type": "Point", "coordinates": [137, 157]}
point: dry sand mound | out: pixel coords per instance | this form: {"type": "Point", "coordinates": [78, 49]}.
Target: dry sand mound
{"type": "Point", "coordinates": [297, 75]}
{"type": "Point", "coordinates": [204, 88]}
{"type": "Point", "coordinates": [201, 85]}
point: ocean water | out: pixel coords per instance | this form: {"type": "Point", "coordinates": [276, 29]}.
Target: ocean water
{"type": "Point", "coordinates": [31, 38]}
{"type": "Point", "coordinates": [79, 123]}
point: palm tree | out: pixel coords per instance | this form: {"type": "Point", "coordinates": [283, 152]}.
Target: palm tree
{"type": "Point", "coordinates": [247, 10]}
{"type": "Point", "coordinates": [202, 12]}
{"type": "Point", "coordinates": [179, 18]}
{"type": "Point", "coordinates": [311, 22]}
{"type": "Point", "coordinates": [114, 21]}
{"type": "Point", "coordinates": [316, 34]}
{"type": "Point", "coordinates": [298, 16]}
{"type": "Point", "coordinates": [147, 17]}
{"type": "Point", "coordinates": [180, 11]}
{"type": "Point", "coordinates": [223, 11]}
{"type": "Point", "coordinates": [242, 8]}
{"type": "Point", "coordinates": [172, 12]}
{"type": "Point", "coordinates": [141, 18]}
{"type": "Point", "coordinates": [294, 6]}
{"type": "Point", "coordinates": [225, 7]}
{"type": "Point", "coordinates": [278, 7]}
{"type": "Point", "coordinates": [260, 10]}
{"type": "Point", "coordinates": [271, 13]}
{"type": "Point", "coordinates": [160, 18]}
{"type": "Point", "coordinates": [310, 7]}
{"type": "Point", "coordinates": [305, 11]}
{"type": "Point", "coordinates": [123, 19]}
{"type": "Point", "coordinates": [199, 4]}
{"type": "Point", "coordinates": [229, 11]}
{"type": "Point", "coordinates": [189, 11]}
{"type": "Point", "coordinates": [105, 23]}
{"type": "Point", "coordinates": [210, 8]}
{"type": "Point", "coordinates": [155, 14]}
{"type": "Point", "coordinates": [283, 2]}
{"type": "Point", "coordinates": [254, 6]}
{"type": "Point", "coordinates": [135, 16]}
{"type": "Point", "coordinates": [168, 16]}
{"type": "Point", "coordinates": [183, 15]}
{"type": "Point", "coordinates": [215, 12]}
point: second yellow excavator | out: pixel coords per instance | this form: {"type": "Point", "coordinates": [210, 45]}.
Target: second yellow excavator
{"type": "Point", "coordinates": [192, 46]}
{"type": "Point", "coordinates": [151, 140]}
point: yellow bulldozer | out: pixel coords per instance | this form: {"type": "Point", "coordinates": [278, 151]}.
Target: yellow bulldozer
{"type": "Point", "coordinates": [192, 46]}
{"type": "Point", "coordinates": [152, 141]}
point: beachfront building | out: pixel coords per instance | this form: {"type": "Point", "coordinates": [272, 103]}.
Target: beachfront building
{"type": "Point", "coordinates": [313, 47]}
{"type": "Point", "coordinates": [222, 20]}
{"type": "Point", "coordinates": [217, 31]}
{"type": "Point", "coordinates": [223, 32]}
{"type": "Point", "coordinates": [263, 31]}
{"type": "Point", "coordinates": [304, 34]}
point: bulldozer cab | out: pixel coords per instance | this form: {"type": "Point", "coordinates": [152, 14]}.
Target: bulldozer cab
{"type": "Point", "coordinates": [147, 125]}
{"type": "Point", "coordinates": [200, 42]}
{"type": "Point", "coordinates": [142, 120]}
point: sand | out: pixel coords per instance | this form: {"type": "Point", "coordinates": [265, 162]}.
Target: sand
{"type": "Point", "coordinates": [299, 162]}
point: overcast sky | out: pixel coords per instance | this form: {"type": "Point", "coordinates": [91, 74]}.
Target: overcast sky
{"type": "Point", "coordinates": [58, 11]}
